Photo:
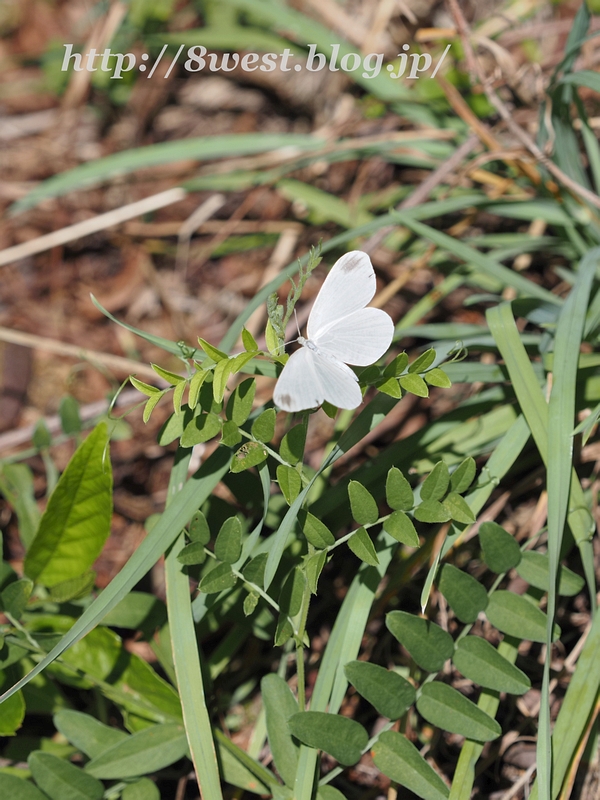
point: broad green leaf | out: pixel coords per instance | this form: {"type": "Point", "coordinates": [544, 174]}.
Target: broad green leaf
{"type": "Point", "coordinates": [291, 448]}
{"type": "Point", "coordinates": [171, 377]}
{"type": "Point", "coordinates": [239, 362]}
{"type": "Point", "coordinates": [389, 693]}
{"type": "Point", "coordinates": [16, 484]}
{"type": "Point", "coordinates": [400, 526]}
{"type": "Point", "coordinates": [458, 508]}
{"type": "Point", "coordinates": [172, 428]}
{"type": "Point", "coordinates": [479, 661]}
{"type": "Point", "coordinates": [414, 384]}
{"type": "Point", "coordinates": [437, 377]}
{"type": "Point", "coordinates": [448, 709]}
{"type": "Point", "coordinates": [73, 588]}
{"type": "Point", "coordinates": [199, 530]}
{"type": "Point", "coordinates": [202, 428]}
{"type": "Point", "coordinates": [222, 373]}
{"type": "Point", "coordinates": [218, 579]}
{"type": "Point", "coordinates": [280, 704]}
{"type": "Point", "coordinates": [516, 616]}
{"type": "Point", "coordinates": [391, 387]}
{"type": "Point", "coordinates": [501, 551]}
{"type": "Point", "coordinates": [212, 351]}
{"type": "Point", "coordinates": [178, 397]}
{"type": "Point", "coordinates": [341, 737]}
{"type": "Point", "coordinates": [463, 475]}
{"type": "Point", "coordinates": [423, 361]}
{"type": "Point", "coordinates": [436, 483]}
{"type": "Point", "coordinates": [316, 532]}
{"type": "Point", "coordinates": [400, 760]}
{"type": "Point", "coordinates": [328, 792]}
{"type": "Point", "coordinates": [289, 481]}
{"type": "Point", "coordinates": [17, 788]}
{"type": "Point", "coordinates": [230, 434]}
{"type": "Point", "coordinates": [228, 544]}
{"type": "Point", "coordinates": [151, 405]}
{"type": "Point", "coordinates": [250, 602]}
{"type": "Point", "coordinates": [13, 709]}
{"type": "Point", "coordinates": [466, 596]}
{"type": "Point", "coordinates": [239, 769]}
{"type": "Point", "coordinates": [87, 733]}
{"type": "Point", "coordinates": [263, 427]}
{"type": "Point", "coordinates": [76, 522]}
{"type": "Point", "coordinates": [196, 382]}
{"type": "Point", "coordinates": [284, 631]}
{"type": "Point", "coordinates": [42, 437]}
{"type": "Point", "coordinates": [61, 780]}
{"type": "Point", "coordinates": [431, 511]}
{"type": "Point", "coordinates": [397, 366]}
{"type": "Point", "coordinates": [144, 789]}
{"type": "Point", "coordinates": [136, 611]}
{"type": "Point", "coordinates": [144, 388]}
{"type": "Point", "coordinates": [68, 411]}
{"type": "Point", "coordinates": [362, 546]}
{"type": "Point", "coordinates": [249, 341]}
{"type": "Point", "coordinates": [427, 643]}
{"type": "Point", "coordinates": [14, 598]}
{"type": "Point", "coordinates": [148, 750]}
{"type": "Point", "coordinates": [398, 491]}
{"type": "Point", "coordinates": [534, 568]}
{"type": "Point", "coordinates": [313, 566]}
{"type": "Point", "coordinates": [274, 345]}
{"type": "Point", "coordinates": [249, 455]}
{"type": "Point", "coordinates": [292, 592]}
{"type": "Point", "coordinates": [362, 503]}
{"type": "Point", "coordinates": [191, 554]}
{"type": "Point", "coordinates": [254, 571]}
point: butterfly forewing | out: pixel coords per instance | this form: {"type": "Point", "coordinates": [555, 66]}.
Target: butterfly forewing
{"type": "Point", "coordinates": [349, 286]}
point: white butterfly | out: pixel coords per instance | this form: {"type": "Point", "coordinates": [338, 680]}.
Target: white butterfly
{"type": "Point", "coordinates": [340, 331]}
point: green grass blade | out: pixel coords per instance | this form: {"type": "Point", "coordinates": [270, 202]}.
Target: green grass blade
{"type": "Point", "coordinates": [189, 499]}
{"type": "Point", "coordinates": [186, 657]}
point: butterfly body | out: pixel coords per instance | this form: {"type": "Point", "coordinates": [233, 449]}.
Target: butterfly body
{"type": "Point", "coordinates": [341, 331]}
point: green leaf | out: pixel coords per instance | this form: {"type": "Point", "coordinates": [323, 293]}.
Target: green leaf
{"type": "Point", "coordinates": [201, 429]}
{"type": "Point", "coordinates": [399, 525]}
{"type": "Point", "coordinates": [391, 387]}
{"type": "Point", "coordinates": [249, 341]}
{"type": "Point", "coordinates": [230, 434]}
{"type": "Point", "coordinates": [291, 448]}
{"type": "Point", "coordinates": [239, 362]}
{"type": "Point", "coordinates": [218, 579]}
{"type": "Point", "coordinates": [316, 532]}
{"type": "Point", "coordinates": [424, 361]}
{"type": "Point", "coordinates": [463, 475]}
{"type": "Point", "coordinates": [362, 504]}
{"type": "Point", "coordinates": [148, 750]}
{"type": "Point", "coordinates": [535, 569]}
{"type": "Point", "coordinates": [342, 738]}
{"type": "Point", "coordinates": [249, 455]}
{"type": "Point", "coordinates": [18, 788]}
{"type": "Point", "coordinates": [466, 596]}
{"type": "Point", "coordinates": [42, 438]}
{"type": "Point", "coordinates": [144, 789]}
{"type": "Point", "coordinates": [61, 780]}
{"type": "Point", "coordinates": [144, 388]}
{"type": "Point", "coordinates": [362, 546]}
{"type": "Point", "coordinates": [458, 508]}
{"type": "Point", "coordinates": [431, 511]}
{"type": "Point", "coordinates": [254, 571]}
{"type": "Point", "coordinates": [289, 481]}
{"type": "Point", "coordinates": [427, 643]}
{"type": "Point", "coordinates": [398, 491]}
{"type": "Point", "coordinates": [15, 596]}
{"type": "Point", "coordinates": [292, 592]}
{"type": "Point", "coordinates": [501, 552]}
{"type": "Point", "coordinates": [171, 377]}
{"type": "Point", "coordinates": [212, 351]}
{"type": "Point", "coordinates": [437, 377]}
{"type": "Point", "coordinates": [228, 544]}
{"type": "Point", "coordinates": [400, 760]}
{"type": "Point", "coordinates": [240, 401]}
{"type": "Point", "coordinates": [280, 704]}
{"type": "Point", "coordinates": [81, 586]}
{"type": "Point", "coordinates": [284, 631]}
{"type": "Point", "coordinates": [389, 693]}
{"type": "Point", "coordinates": [172, 429]}
{"type": "Point", "coordinates": [222, 373]}
{"type": "Point", "coordinates": [313, 566]}
{"type": "Point", "coordinates": [328, 792]}
{"type": "Point", "coordinates": [250, 602]}
{"type": "Point", "coordinates": [13, 709]}
{"type": "Point", "coordinates": [151, 405]}
{"type": "Point", "coordinates": [199, 530]}
{"type": "Point", "coordinates": [68, 411]}
{"type": "Point", "coordinates": [481, 663]}
{"type": "Point", "coordinates": [192, 554]}
{"type": "Point", "coordinates": [414, 384]}
{"type": "Point", "coordinates": [448, 709]}
{"type": "Point", "coordinates": [178, 397]}
{"type": "Point", "coordinates": [516, 616]}
{"type": "Point", "coordinates": [87, 733]}
{"type": "Point", "coordinates": [263, 427]}
{"type": "Point", "coordinates": [436, 483]}
{"type": "Point", "coordinates": [397, 366]}
{"type": "Point", "coordinates": [196, 382]}
{"type": "Point", "coordinates": [76, 522]}
{"type": "Point", "coordinates": [16, 484]}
